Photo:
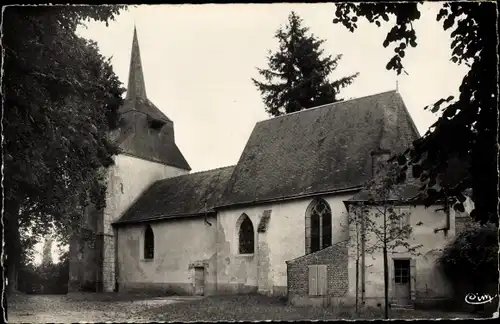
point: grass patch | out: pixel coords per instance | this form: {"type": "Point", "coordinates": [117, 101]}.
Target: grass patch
{"type": "Point", "coordinates": [261, 308]}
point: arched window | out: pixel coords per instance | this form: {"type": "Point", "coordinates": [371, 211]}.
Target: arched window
{"type": "Point", "coordinates": [149, 243]}
{"type": "Point", "coordinates": [318, 226]}
{"type": "Point", "coordinates": [246, 236]}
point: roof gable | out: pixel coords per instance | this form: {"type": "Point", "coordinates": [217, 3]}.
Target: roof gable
{"type": "Point", "coordinates": [321, 149]}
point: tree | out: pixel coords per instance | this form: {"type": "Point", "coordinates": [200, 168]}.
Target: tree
{"type": "Point", "coordinates": [297, 77]}
{"type": "Point", "coordinates": [467, 128]}
{"type": "Point", "coordinates": [47, 250]}
{"type": "Point", "coordinates": [377, 224]}
{"type": "Point", "coordinates": [470, 261]}
{"type": "Point", "coordinates": [61, 97]}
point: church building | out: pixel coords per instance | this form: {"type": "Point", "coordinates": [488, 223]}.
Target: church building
{"type": "Point", "coordinates": [260, 225]}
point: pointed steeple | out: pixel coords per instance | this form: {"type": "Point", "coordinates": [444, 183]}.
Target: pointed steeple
{"type": "Point", "coordinates": [136, 86]}
{"type": "Point", "coordinates": [145, 131]}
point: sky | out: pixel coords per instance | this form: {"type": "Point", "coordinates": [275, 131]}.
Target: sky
{"type": "Point", "coordinates": [198, 62]}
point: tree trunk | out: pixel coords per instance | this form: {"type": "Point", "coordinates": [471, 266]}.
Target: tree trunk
{"type": "Point", "coordinates": [12, 245]}
{"type": "Point", "coordinates": [357, 285]}
{"type": "Point", "coordinates": [386, 284]}
{"type": "Point", "coordinates": [386, 270]}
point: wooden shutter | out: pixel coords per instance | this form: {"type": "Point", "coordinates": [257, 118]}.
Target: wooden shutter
{"type": "Point", "coordinates": [313, 280]}
{"type": "Point", "coordinates": [406, 219]}
{"type": "Point", "coordinates": [395, 223]}
{"type": "Point", "coordinates": [413, 278]}
{"type": "Point", "coordinates": [322, 280]}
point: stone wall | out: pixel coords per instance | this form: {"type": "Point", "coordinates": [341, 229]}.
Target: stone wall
{"type": "Point", "coordinates": [93, 251]}
{"type": "Point", "coordinates": [180, 245]}
{"type": "Point", "coordinates": [334, 257]}
{"type": "Point", "coordinates": [427, 281]}
{"type": "Point", "coordinates": [128, 178]}
{"type": "Point", "coordinates": [284, 239]}
{"type": "Point", "coordinates": [84, 254]}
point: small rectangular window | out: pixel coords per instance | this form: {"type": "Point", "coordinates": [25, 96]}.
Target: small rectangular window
{"type": "Point", "coordinates": [402, 218]}
{"type": "Point", "coordinates": [401, 271]}
{"type": "Point", "coordinates": [149, 243]}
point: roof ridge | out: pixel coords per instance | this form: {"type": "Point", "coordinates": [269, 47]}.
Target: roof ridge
{"type": "Point", "coordinates": [158, 109]}
{"type": "Point", "coordinates": [198, 172]}
{"type": "Point", "coordinates": [328, 104]}
{"type": "Point", "coordinates": [215, 169]}
{"type": "Point", "coordinates": [410, 119]}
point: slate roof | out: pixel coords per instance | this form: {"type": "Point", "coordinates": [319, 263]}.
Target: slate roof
{"type": "Point", "coordinates": [410, 189]}
{"type": "Point", "coordinates": [183, 196]}
{"type": "Point", "coordinates": [135, 135]}
{"type": "Point", "coordinates": [323, 149]}
{"type": "Point", "coordinates": [407, 191]}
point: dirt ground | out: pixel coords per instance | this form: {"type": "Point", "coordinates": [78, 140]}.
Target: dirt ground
{"type": "Point", "coordinates": [86, 307]}
{"type": "Point", "coordinates": [89, 307]}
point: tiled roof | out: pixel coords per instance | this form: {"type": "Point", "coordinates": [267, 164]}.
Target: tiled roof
{"type": "Point", "coordinates": [410, 189]}
{"type": "Point", "coordinates": [183, 196]}
{"type": "Point", "coordinates": [407, 191]}
{"type": "Point", "coordinates": [137, 138]}
{"type": "Point", "coordinates": [321, 149]}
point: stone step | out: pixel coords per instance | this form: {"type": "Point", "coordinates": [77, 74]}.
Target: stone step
{"type": "Point", "coordinates": [399, 306]}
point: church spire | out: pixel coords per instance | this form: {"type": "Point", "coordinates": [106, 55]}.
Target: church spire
{"type": "Point", "coordinates": [136, 86]}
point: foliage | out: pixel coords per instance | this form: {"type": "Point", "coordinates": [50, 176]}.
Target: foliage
{"type": "Point", "coordinates": [297, 77]}
{"type": "Point", "coordinates": [472, 257]}
{"type": "Point", "coordinates": [367, 223]}
{"type": "Point", "coordinates": [376, 223]}
{"type": "Point", "coordinates": [62, 98]}
{"type": "Point", "coordinates": [50, 278]}
{"type": "Point", "coordinates": [467, 128]}
{"type": "Point", "coordinates": [382, 194]}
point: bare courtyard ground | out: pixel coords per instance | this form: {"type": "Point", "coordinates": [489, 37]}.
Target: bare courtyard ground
{"type": "Point", "coordinates": [139, 308]}
{"type": "Point", "coordinates": [86, 307]}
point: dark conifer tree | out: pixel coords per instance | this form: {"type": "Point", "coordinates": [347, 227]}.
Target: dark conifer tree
{"type": "Point", "coordinates": [298, 74]}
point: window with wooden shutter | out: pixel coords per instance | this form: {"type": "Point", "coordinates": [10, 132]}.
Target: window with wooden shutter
{"type": "Point", "coordinates": [405, 218]}
{"type": "Point", "coordinates": [313, 280]}
{"type": "Point", "coordinates": [318, 283]}
{"type": "Point", "coordinates": [322, 280]}
{"type": "Point", "coordinates": [402, 218]}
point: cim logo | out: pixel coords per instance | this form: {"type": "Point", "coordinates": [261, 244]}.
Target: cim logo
{"type": "Point", "coordinates": [478, 299]}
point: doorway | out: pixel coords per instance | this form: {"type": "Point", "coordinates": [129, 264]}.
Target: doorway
{"type": "Point", "coordinates": [199, 281]}
{"type": "Point", "coordinates": [401, 283]}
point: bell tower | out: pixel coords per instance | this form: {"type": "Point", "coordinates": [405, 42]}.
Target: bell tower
{"type": "Point", "coordinates": [148, 153]}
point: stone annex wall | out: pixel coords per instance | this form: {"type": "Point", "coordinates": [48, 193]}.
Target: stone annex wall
{"type": "Point", "coordinates": [336, 259]}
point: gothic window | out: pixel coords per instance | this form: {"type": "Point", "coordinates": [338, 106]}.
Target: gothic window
{"type": "Point", "coordinates": [246, 236]}
{"type": "Point", "coordinates": [149, 243]}
{"type": "Point", "coordinates": [318, 226]}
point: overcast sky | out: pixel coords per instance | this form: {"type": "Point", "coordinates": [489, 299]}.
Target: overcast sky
{"type": "Point", "coordinates": [198, 63]}
{"type": "Point", "coordinates": [199, 60]}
